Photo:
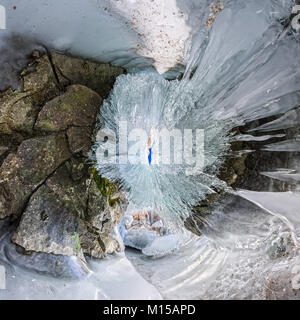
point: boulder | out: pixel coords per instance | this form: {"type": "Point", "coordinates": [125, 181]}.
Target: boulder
{"type": "Point", "coordinates": [25, 170]}
{"type": "Point", "coordinates": [61, 219]}
{"type": "Point", "coordinates": [78, 106]}
{"type": "Point", "coordinates": [80, 139]}
{"type": "Point", "coordinates": [39, 80]}
{"type": "Point", "coordinates": [17, 113]}
{"type": "Point", "coordinates": [18, 110]}
{"type": "Point", "coordinates": [47, 185]}
{"type": "Point", "coordinates": [97, 76]}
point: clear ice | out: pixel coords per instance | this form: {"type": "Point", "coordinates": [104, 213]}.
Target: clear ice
{"type": "Point", "coordinates": [245, 68]}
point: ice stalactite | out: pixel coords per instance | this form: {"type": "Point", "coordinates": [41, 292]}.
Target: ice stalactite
{"type": "Point", "coordinates": [245, 70]}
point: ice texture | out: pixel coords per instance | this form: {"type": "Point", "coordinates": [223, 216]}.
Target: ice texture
{"type": "Point", "coordinates": [79, 27]}
{"type": "Point", "coordinates": [284, 205]}
{"type": "Point", "coordinates": [156, 103]}
{"type": "Point", "coordinates": [246, 69]}
{"type": "Point", "coordinates": [110, 279]}
{"type": "Point", "coordinates": [241, 246]}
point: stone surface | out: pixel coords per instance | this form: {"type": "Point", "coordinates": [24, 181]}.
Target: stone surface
{"type": "Point", "coordinates": [196, 221]}
{"type": "Point", "coordinates": [52, 216]}
{"type": "Point", "coordinates": [62, 206]}
{"type": "Point", "coordinates": [80, 139]}
{"type": "Point", "coordinates": [24, 171]}
{"type": "Point", "coordinates": [8, 143]}
{"type": "Point", "coordinates": [68, 218]}
{"type": "Point", "coordinates": [52, 225]}
{"type": "Point", "coordinates": [99, 77]}
{"type": "Point", "coordinates": [43, 263]}
{"type": "Point", "coordinates": [17, 113]}
{"type": "Point", "coordinates": [78, 106]}
{"type": "Point", "coordinates": [39, 80]}
{"type": "Point", "coordinates": [104, 212]}
{"type": "Point", "coordinates": [18, 110]}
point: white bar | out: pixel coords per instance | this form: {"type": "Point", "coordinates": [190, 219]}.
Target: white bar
{"type": "Point", "coordinates": [2, 17]}
{"type": "Point", "coordinates": [2, 278]}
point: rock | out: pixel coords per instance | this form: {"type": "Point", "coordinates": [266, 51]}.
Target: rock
{"type": "Point", "coordinates": [60, 219]}
{"type": "Point", "coordinates": [51, 264]}
{"type": "Point", "coordinates": [116, 201]}
{"type": "Point", "coordinates": [3, 151]}
{"type": "Point", "coordinates": [48, 225]}
{"type": "Point", "coordinates": [17, 113]}
{"type": "Point", "coordinates": [24, 171]}
{"type": "Point", "coordinates": [78, 106]}
{"type": "Point", "coordinates": [77, 168]}
{"type": "Point", "coordinates": [80, 139]}
{"type": "Point", "coordinates": [104, 212]}
{"type": "Point", "coordinates": [97, 76]}
{"type": "Point", "coordinates": [46, 132]}
{"type": "Point", "coordinates": [39, 80]}
{"type": "Point", "coordinates": [215, 8]}
{"type": "Point", "coordinates": [19, 110]}
{"type": "Point", "coordinates": [8, 143]}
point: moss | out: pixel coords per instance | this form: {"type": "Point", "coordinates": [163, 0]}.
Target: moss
{"type": "Point", "coordinates": [67, 106]}
{"type": "Point", "coordinates": [106, 188]}
{"type": "Point", "coordinates": [77, 246]}
{"type": "Point", "coordinates": [113, 201]}
{"type": "Point", "coordinates": [47, 125]}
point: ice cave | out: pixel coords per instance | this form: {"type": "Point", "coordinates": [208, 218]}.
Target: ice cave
{"type": "Point", "coordinates": [150, 149]}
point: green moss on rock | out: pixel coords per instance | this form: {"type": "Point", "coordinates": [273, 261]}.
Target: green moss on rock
{"type": "Point", "coordinates": [106, 188]}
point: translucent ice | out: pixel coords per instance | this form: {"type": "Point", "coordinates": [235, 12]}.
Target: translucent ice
{"type": "Point", "coordinates": [157, 104]}
{"type": "Point", "coordinates": [245, 69]}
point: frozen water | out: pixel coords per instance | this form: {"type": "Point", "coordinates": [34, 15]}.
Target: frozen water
{"type": "Point", "coordinates": [244, 67]}
{"type": "Point", "coordinates": [240, 248]}
{"type": "Point", "coordinates": [248, 137]}
{"type": "Point", "coordinates": [109, 279]}
{"type": "Point", "coordinates": [236, 80]}
{"type": "Point", "coordinates": [282, 204]}
{"type": "Point", "coordinates": [292, 145]}
{"type": "Point", "coordinates": [288, 120]}
{"type": "Point", "coordinates": [158, 104]}
{"type": "Point", "coordinates": [80, 27]}
{"type": "Point", "coordinates": [288, 175]}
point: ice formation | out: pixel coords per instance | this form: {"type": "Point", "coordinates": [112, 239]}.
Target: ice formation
{"type": "Point", "coordinates": [157, 104]}
{"type": "Point", "coordinates": [242, 64]}
{"type": "Point", "coordinates": [238, 75]}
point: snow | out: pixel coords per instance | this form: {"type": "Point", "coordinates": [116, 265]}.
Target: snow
{"type": "Point", "coordinates": [161, 27]}
{"type": "Point", "coordinates": [107, 30]}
